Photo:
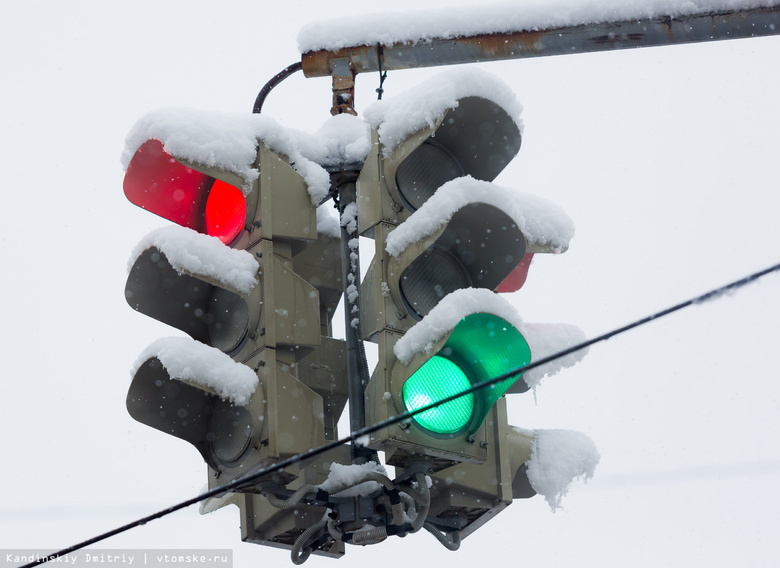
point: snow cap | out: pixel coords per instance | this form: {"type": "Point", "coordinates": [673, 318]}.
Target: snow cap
{"type": "Point", "coordinates": [543, 339]}
{"type": "Point", "coordinates": [186, 359]}
{"type": "Point", "coordinates": [193, 252]}
{"type": "Point", "coordinates": [422, 26]}
{"type": "Point", "coordinates": [547, 339]}
{"type": "Point", "coordinates": [343, 138]}
{"type": "Point", "coordinates": [351, 480]}
{"type": "Point", "coordinates": [398, 117]}
{"type": "Point", "coordinates": [558, 457]}
{"type": "Point", "coordinates": [228, 141]}
{"type": "Point", "coordinates": [540, 221]}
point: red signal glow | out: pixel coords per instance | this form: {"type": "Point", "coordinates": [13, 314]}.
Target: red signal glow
{"type": "Point", "coordinates": [157, 182]}
{"type": "Point", "coordinates": [225, 212]}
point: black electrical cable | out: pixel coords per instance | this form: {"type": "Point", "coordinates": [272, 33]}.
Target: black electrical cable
{"type": "Point", "coordinates": [406, 416]}
{"type": "Point", "coordinates": [380, 53]}
{"type": "Point", "coordinates": [278, 78]}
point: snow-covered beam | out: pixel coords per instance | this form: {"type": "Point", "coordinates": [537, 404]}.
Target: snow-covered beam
{"type": "Point", "coordinates": [583, 38]}
{"type": "Point", "coordinates": [346, 47]}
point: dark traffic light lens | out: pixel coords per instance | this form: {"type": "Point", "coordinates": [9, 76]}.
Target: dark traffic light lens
{"type": "Point", "coordinates": [426, 169]}
{"type": "Point", "coordinates": [431, 276]}
{"type": "Point", "coordinates": [230, 431]}
{"type": "Point", "coordinates": [227, 320]}
{"type": "Point", "coordinates": [437, 379]}
{"type": "Point", "coordinates": [225, 213]}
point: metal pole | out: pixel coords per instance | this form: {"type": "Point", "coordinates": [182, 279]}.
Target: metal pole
{"type": "Point", "coordinates": [357, 366]}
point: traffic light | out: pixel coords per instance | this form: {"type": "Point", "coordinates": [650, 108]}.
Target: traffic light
{"type": "Point", "coordinates": [246, 276]}
{"type": "Point", "coordinates": [447, 240]}
{"type": "Point", "coordinates": [440, 226]}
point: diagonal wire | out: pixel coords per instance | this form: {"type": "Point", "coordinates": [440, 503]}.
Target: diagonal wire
{"type": "Point", "coordinates": [355, 436]}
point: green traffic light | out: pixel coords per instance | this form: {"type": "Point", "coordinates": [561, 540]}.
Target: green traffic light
{"type": "Point", "coordinates": [437, 379]}
{"type": "Point", "coordinates": [481, 347]}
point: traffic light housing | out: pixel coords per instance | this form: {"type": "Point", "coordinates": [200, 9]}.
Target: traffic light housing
{"type": "Point", "coordinates": [199, 285]}
{"type": "Point", "coordinates": [247, 277]}
{"type": "Point", "coordinates": [447, 240]}
{"type": "Point", "coordinates": [441, 227]}
{"type": "Point", "coordinates": [466, 495]}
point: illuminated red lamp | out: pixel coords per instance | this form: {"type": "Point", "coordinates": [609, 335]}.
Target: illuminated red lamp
{"type": "Point", "coordinates": [516, 278]}
{"type": "Point", "coordinates": [157, 182]}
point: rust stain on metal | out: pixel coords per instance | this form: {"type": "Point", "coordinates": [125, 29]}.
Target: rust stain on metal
{"type": "Point", "coordinates": [505, 46]}
{"type": "Point", "coordinates": [665, 30]}
{"type": "Point", "coordinates": [614, 38]}
{"type": "Point", "coordinates": [668, 22]}
{"type": "Point", "coordinates": [493, 46]}
{"type": "Point", "coordinates": [317, 63]}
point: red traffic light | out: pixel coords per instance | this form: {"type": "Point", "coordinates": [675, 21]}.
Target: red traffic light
{"type": "Point", "coordinates": [517, 277]}
{"type": "Point", "coordinates": [157, 182]}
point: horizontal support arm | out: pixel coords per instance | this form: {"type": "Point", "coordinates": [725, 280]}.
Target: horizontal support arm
{"type": "Point", "coordinates": [586, 38]}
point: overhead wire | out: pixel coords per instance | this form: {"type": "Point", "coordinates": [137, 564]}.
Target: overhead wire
{"type": "Point", "coordinates": [355, 436]}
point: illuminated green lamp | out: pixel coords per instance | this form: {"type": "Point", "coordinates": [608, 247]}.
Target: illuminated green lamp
{"type": "Point", "coordinates": [481, 347]}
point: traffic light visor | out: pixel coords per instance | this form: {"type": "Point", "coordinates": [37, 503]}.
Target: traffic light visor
{"type": "Point", "coordinates": [481, 347]}
{"type": "Point", "coordinates": [156, 181]}
{"type": "Point", "coordinates": [478, 247]}
{"type": "Point", "coordinates": [476, 138]}
{"type": "Point", "coordinates": [210, 314]}
{"type": "Point", "coordinates": [219, 429]}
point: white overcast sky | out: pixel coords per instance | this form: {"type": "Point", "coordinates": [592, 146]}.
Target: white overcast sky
{"type": "Point", "coordinates": [666, 159]}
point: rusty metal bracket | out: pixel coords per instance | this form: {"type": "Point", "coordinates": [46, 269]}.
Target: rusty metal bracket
{"type": "Point", "coordinates": [343, 75]}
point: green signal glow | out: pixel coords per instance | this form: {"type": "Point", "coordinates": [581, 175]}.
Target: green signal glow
{"type": "Point", "coordinates": [481, 347]}
{"type": "Point", "coordinates": [437, 379]}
